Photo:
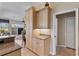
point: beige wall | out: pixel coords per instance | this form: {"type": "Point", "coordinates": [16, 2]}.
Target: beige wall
{"type": "Point", "coordinates": [61, 6]}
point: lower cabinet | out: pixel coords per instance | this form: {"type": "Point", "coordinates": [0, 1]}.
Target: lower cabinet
{"type": "Point", "coordinates": [41, 46]}
{"type": "Point", "coordinates": [29, 43]}
{"type": "Point", "coordinates": [35, 45]}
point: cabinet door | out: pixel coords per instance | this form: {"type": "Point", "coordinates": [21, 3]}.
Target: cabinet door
{"type": "Point", "coordinates": [40, 47]}
{"type": "Point", "coordinates": [29, 29]}
{"type": "Point", "coordinates": [40, 19]}
{"type": "Point", "coordinates": [43, 18]}
{"type": "Point", "coordinates": [35, 45]}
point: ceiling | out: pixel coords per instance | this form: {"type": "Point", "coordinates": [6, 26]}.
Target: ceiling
{"type": "Point", "coordinates": [14, 10]}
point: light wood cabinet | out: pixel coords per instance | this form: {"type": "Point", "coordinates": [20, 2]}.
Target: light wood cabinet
{"type": "Point", "coordinates": [31, 23]}
{"type": "Point", "coordinates": [40, 50]}
{"type": "Point", "coordinates": [33, 20]}
{"type": "Point", "coordinates": [41, 46]}
{"type": "Point", "coordinates": [44, 18]}
{"type": "Point", "coordinates": [35, 45]}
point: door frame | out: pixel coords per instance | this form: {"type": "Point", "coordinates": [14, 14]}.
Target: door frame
{"type": "Point", "coordinates": [54, 35]}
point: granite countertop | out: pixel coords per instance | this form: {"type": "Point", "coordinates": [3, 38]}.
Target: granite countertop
{"type": "Point", "coordinates": [6, 48]}
{"type": "Point", "coordinates": [7, 36]}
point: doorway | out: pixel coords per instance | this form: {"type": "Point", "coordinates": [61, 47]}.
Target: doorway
{"type": "Point", "coordinates": [66, 30]}
{"type": "Point", "coordinates": [66, 33]}
{"type": "Point", "coordinates": [57, 32]}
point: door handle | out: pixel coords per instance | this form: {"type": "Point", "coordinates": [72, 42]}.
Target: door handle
{"type": "Point", "coordinates": [54, 36]}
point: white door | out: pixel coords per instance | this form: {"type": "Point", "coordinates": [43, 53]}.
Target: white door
{"type": "Point", "coordinates": [70, 32]}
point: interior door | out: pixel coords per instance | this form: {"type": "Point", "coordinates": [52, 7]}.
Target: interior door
{"type": "Point", "coordinates": [70, 32]}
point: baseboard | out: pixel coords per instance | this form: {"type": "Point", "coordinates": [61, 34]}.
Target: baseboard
{"type": "Point", "coordinates": [52, 54]}
{"type": "Point", "coordinates": [61, 45]}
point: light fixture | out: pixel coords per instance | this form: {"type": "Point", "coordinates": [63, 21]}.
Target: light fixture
{"type": "Point", "coordinates": [46, 4]}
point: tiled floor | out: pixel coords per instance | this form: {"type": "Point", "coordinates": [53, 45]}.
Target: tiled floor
{"type": "Point", "coordinates": [61, 51]}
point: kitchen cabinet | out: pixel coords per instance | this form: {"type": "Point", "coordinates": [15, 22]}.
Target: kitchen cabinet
{"type": "Point", "coordinates": [44, 18]}
{"type": "Point", "coordinates": [33, 20]}
{"type": "Point", "coordinates": [30, 21]}
{"type": "Point", "coordinates": [41, 46]}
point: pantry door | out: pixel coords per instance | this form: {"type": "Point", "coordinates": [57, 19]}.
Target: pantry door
{"type": "Point", "coordinates": [70, 32]}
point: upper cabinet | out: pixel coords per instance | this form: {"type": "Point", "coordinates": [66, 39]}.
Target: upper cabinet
{"type": "Point", "coordinates": [30, 18]}
{"type": "Point", "coordinates": [44, 18]}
